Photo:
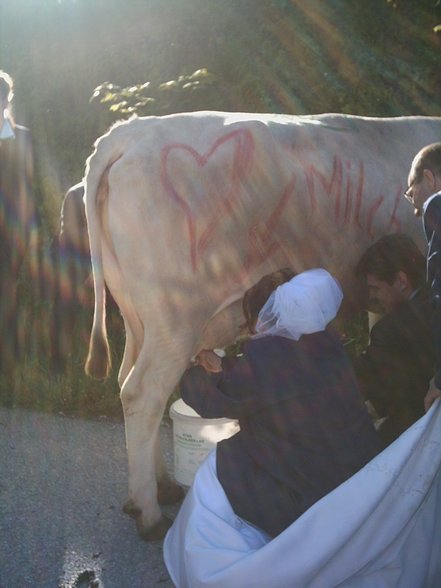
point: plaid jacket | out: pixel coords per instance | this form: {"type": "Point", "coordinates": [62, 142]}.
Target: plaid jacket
{"type": "Point", "coordinates": [304, 428]}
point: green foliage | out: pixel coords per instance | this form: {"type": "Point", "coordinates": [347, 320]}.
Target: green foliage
{"type": "Point", "coordinates": [378, 58]}
{"type": "Point", "coordinates": [156, 99]}
{"type": "Point", "coordinates": [278, 56]}
{"type": "Point", "coordinates": [355, 334]}
{"type": "Point", "coordinates": [34, 385]}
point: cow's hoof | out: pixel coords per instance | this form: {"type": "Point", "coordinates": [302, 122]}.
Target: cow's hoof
{"type": "Point", "coordinates": [155, 533]}
{"type": "Point", "coordinates": [169, 492]}
{"type": "Point", "coordinates": [130, 509]}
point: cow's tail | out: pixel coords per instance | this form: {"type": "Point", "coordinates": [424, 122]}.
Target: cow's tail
{"type": "Point", "coordinates": [98, 362]}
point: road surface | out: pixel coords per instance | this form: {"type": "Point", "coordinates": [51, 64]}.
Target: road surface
{"type": "Point", "coordinates": [63, 482]}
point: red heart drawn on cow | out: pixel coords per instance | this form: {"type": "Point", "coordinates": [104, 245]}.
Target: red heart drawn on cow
{"type": "Point", "coordinates": [222, 194]}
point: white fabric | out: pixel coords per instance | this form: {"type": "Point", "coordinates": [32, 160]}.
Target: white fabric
{"type": "Point", "coordinates": [6, 131]}
{"type": "Point", "coordinates": [381, 528]}
{"type": "Point", "coordinates": [304, 305]}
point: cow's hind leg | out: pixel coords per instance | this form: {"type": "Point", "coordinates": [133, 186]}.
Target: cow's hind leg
{"type": "Point", "coordinates": [144, 395]}
{"type": "Point", "coordinates": [168, 491]}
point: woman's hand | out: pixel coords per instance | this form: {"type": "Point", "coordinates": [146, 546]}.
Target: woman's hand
{"type": "Point", "coordinates": [209, 361]}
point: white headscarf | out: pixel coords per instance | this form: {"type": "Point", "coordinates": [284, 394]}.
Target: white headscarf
{"type": "Point", "coordinates": [304, 305]}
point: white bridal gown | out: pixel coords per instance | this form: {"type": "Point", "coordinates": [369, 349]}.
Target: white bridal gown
{"type": "Point", "coordinates": [381, 528]}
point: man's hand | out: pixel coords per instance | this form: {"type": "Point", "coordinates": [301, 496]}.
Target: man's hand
{"type": "Point", "coordinates": [432, 394]}
{"type": "Point", "coordinates": [209, 361]}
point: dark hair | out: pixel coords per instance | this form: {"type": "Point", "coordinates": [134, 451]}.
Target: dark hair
{"type": "Point", "coordinates": [428, 158]}
{"type": "Point", "coordinates": [6, 87]}
{"type": "Point", "coordinates": [390, 255]}
{"type": "Point", "coordinates": [257, 295]}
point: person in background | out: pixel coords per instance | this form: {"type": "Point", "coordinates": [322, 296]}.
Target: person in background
{"type": "Point", "coordinates": [71, 290]}
{"type": "Point", "coordinates": [424, 193]}
{"type": "Point", "coordinates": [394, 370]}
{"type": "Point", "coordinates": [304, 427]}
{"type": "Point", "coordinates": [18, 225]}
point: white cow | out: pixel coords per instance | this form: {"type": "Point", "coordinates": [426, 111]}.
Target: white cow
{"type": "Point", "coordinates": [185, 212]}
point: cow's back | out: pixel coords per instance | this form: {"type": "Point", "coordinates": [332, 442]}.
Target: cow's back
{"type": "Point", "coordinates": [204, 204]}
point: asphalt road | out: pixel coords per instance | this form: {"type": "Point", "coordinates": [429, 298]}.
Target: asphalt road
{"type": "Point", "coordinates": [63, 482]}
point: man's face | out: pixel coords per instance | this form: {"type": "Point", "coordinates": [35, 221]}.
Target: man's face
{"type": "Point", "coordinates": [383, 297]}
{"type": "Point", "coordinates": [420, 188]}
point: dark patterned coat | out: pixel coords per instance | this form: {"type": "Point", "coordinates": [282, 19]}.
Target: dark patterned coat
{"type": "Point", "coordinates": [304, 428]}
{"type": "Point", "coordinates": [18, 234]}
{"type": "Point", "coordinates": [432, 228]}
{"type": "Point", "coordinates": [71, 292]}
{"type": "Point", "coordinates": [72, 287]}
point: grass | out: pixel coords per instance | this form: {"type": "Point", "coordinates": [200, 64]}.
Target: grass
{"type": "Point", "coordinates": [33, 385]}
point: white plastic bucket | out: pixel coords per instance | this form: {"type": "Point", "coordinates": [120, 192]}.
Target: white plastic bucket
{"type": "Point", "coordinates": [193, 438]}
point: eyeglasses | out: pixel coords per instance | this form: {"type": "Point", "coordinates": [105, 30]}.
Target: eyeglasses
{"type": "Point", "coordinates": [408, 194]}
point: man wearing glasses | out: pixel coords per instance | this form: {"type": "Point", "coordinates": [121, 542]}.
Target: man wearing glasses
{"type": "Point", "coordinates": [424, 193]}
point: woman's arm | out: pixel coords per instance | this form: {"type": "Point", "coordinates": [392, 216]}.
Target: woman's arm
{"type": "Point", "coordinates": [215, 388]}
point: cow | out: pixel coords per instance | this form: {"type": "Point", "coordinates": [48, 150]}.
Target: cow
{"type": "Point", "coordinates": [187, 211]}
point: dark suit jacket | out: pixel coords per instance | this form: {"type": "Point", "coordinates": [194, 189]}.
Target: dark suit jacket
{"type": "Point", "coordinates": [395, 369]}
{"type": "Point", "coordinates": [304, 428]}
{"type": "Point", "coordinates": [432, 228]}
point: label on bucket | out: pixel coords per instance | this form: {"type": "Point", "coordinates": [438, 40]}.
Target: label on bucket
{"type": "Point", "coordinates": [194, 438]}
{"type": "Point", "coordinates": [189, 452]}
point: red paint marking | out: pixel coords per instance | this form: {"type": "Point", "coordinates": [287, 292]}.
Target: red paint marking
{"type": "Point", "coordinates": [359, 195]}
{"type": "Point", "coordinates": [339, 171]}
{"type": "Point", "coordinates": [394, 221]}
{"type": "Point", "coordinates": [260, 235]}
{"type": "Point", "coordinates": [311, 189]}
{"type": "Point", "coordinates": [352, 202]}
{"type": "Point", "coordinates": [243, 150]}
{"type": "Point", "coordinates": [348, 203]}
{"type": "Point", "coordinates": [312, 173]}
{"type": "Point", "coordinates": [371, 213]}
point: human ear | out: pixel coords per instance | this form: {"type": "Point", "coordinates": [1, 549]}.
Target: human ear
{"type": "Point", "coordinates": [430, 178]}
{"type": "Point", "coordinates": [402, 282]}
